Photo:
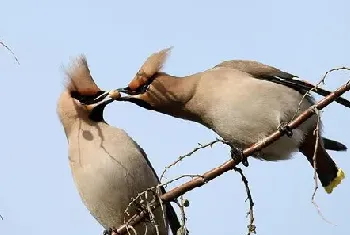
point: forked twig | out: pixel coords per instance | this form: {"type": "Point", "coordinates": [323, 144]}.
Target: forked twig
{"type": "Point", "coordinates": [201, 146]}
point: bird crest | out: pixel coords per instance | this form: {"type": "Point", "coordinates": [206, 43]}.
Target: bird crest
{"type": "Point", "coordinates": [79, 78]}
{"type": "Point", "coordinates": [150, 67]}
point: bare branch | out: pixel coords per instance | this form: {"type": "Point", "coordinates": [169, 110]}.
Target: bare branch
{"type": "Point", "coordinates": [304, 85]}
{"type": "Point", "coordinates": [184, 203]}
{"type": "Point", "coordinates": [9, 49]}
{"type": "Point", "coordinates": [316, 88]}
{"type": "Point", "coordinates": [201, 146]}
{"type": "Point", "coordinates": [251, 226]}
{"type": "Point", "coordinates": [317, 133]}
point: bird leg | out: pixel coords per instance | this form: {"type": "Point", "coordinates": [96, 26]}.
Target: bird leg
{"type": "Point", "coordinates": [285, 129]}
{"type": "Point", "coordinates": [238, 156]}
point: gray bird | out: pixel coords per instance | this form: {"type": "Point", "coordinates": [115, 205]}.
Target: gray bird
{"type": "Point", "coordinates": [109, 168]}
{"type": "Point", "coordinates": [242, 102]}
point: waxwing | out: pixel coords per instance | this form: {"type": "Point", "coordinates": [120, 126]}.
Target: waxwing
{"type": "Point", "coordinates": [109, 168]}
{"type": "Point", "coordinates": [243, 103]}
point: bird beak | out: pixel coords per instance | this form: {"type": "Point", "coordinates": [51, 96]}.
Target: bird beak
{"type": "Point", "coordinates": [104, 99]}
{"type": "Point", "coordinates": [108, 97]}
{"type": "Point", "coordinates": [125, 90]}
{"type": "Point", "coordinates": [128, 91]}
{"type": "Point", "coordinates": [130, 94]}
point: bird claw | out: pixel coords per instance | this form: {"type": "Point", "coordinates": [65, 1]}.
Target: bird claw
{"type": "Point", "coordinates": [245, 162]}
{"type": "Point", "coordinates": [237, 155]}
{"type": "Point", "coordinates": [108, 231]}
{"type": "Point", "coordinates": [286, 130]}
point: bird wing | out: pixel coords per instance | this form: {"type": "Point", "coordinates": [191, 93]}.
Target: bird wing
{"type": "Point", "coordinates": [256, 69]}
{"type": "Point", "coordinates": [269, 73]}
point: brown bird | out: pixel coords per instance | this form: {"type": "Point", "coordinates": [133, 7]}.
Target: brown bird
{"type": "Point", "coordinates": [243, 102]}
{"type": "Point", "coordinates": [109, 168]}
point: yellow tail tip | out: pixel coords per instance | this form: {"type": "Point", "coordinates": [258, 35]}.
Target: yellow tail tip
{"type": "Point", "coordinates": [337, 180]}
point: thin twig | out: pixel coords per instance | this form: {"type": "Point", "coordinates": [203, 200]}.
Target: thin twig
{"type": "Point", "coordinates": [158, 193]}
{"type": "Point", "coordinates": [9, 49]}
{"type": "Point", "coordinates": [251, 227]}
{"type": "Point", "coordinates": [201, 146]}
{"type": "Point", "coordinates": [182, 205]}
{"type": "Point", "coordinates": [148, 207]}
{"type": "Point", "coordinates": [317, 135]}
{"type": "Point", "coordinates": [323, 92]}
{"type": "Point", "coordinates": [317, 88]}
{"type": "Point", "coordinates": [151, 214]}
{"type": "Point", "coordinates": [142, 202]}
{"type": "Point", "coordinates": [229, 165]}
{"type": "Point", "coordinates": [332, 70]}
{"type": "Point", "coordinates": [180, 177]}
{"type": "Point", "coordinates": [304, 85]}
{"type": "Point", "coordinates": [151, 189]}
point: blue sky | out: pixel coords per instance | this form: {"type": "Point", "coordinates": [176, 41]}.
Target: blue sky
{"type": "Point", "coordinates": [37, 194]}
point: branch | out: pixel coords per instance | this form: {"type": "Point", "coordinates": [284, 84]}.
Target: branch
{"type": "Point", "coordinates": [201, 146]}
{"type": "Point", "coordinates": [184, 203]}
{"type": "Point", "coordinates": [229, 165]}
{"type": "Point", "coordinates": [9, 49]}
{"type": "Point", "coordinates": [317, 133]}
{"type": "Point", "coordinates": [251, 227]}
{"type": "Point", "coordinates": [301, 84]}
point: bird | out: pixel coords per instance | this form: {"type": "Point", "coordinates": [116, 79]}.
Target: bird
{"type": "Point", "coordinates": [108, 167]}
{"type": "Point", "coordinates": [243, 101]}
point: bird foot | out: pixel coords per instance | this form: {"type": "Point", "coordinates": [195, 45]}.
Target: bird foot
{"type": "Point", "coordinates": [285, 130]}
{"type": "Point", "coordinates": [238, 156]}
{"type": "Point", "coordinates": [108, 231]}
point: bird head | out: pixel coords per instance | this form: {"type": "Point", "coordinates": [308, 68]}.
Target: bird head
{"type": "Point", "coordinates": [75, 101]}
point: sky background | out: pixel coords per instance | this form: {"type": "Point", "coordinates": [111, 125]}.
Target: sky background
{"type": "Point", "coordinates": [37, 194]}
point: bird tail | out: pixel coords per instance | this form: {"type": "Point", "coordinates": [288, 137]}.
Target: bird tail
{"type": "Point", "coordinates": [333, 145]}
{"type": "Point", "coordinates": [328, 172]}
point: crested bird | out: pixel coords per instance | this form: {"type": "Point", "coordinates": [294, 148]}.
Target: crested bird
{"type": "Point", "coordinates": [243, 102]}
{"type": "Point", "coordinates": [108, 167]}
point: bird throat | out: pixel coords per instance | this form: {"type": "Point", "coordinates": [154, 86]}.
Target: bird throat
{"type": "Point", "coordinates": [96, 114]}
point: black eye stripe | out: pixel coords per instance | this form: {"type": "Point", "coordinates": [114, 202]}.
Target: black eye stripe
{"type": "Point", "coordinates": [85, 98]}
{"type": "Point", "coordinates": [145, 86]}
{"type": "Point", "coordinates": [141, 88]}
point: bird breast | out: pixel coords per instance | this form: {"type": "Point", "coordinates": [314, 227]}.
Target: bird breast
{"type": "Point", "coordinates": [109, 170]}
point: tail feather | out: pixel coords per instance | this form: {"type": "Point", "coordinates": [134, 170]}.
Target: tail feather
{"type": "Point", "coordinates": [333, 145]}
{"type": "Point", "coordinates": [328, 172]}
